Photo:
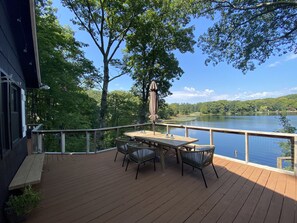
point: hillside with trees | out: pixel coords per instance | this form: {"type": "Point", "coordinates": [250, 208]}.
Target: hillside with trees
{"type": "Point", "coordinates": [282, 104]}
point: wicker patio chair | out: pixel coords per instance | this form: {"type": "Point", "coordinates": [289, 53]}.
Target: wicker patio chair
{"type": "Point", "coordinates": [140, 153]}
{"type": "Point", "coordinates": [121, 144]}
{"type": "Point", "coordinates": [199, 158]}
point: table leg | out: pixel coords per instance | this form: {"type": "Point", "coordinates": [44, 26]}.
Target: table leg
{"type": "Point", "coordinates": [162, 160]}
{"type": "Point", "coordinates": [179, 156]}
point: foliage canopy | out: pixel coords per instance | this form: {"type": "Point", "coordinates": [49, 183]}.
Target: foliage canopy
{"type": "Point", "coordinates": [66, 70]}
{"type": "Point", "coordinates": [149, 54]}
{"type": "Point", "coordinates": [246, 32]}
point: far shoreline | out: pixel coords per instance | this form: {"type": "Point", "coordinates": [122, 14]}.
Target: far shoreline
{"type": "Point", "coordinates": [193, 116]}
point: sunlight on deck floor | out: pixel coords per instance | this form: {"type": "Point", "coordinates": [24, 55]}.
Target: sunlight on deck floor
{"type": "Point", "coordinates": [94, 188]}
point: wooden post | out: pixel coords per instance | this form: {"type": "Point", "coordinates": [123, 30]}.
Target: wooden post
{"type": "Point", "coordinates": [246, 147]}
{"type": "Point", "coordinates": [294, 155]}
{"type": "Point", "coordinates": [95, 142]}
{"type": "Point", "coordinates": [186, 131]}
{"type": "Point", "coordinates": [39, 143]}
{"type": "Point", "coordinates": [210, 137]}
{"type": "Point", "coordinates": [88, 142]}
{"type": "Point", "coordinates": [279, 162]}
{"type": "Point", "coordinates": [62, 142]}
{"type": "Point", "coordinates": [167, 129]}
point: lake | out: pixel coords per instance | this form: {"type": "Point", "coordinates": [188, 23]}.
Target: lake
{"type": "Point", "coordinates": [263, 150]}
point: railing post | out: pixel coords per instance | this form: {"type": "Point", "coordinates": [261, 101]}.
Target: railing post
{"type": "Point", "coordinates": [95, 142]}
{"type": "Point", "coordinates": [118, 132]}
{"type": "Point", "coordinates": [39, 143]}
{"type": "Point", "coordinates": [88, 142]}
{"type": "Point", "coordinates": [186, 131]}
{"type": "Point", "coordinates": [294, 146]}
{"type": "Point", "coordinates": [167, 129]}
{"type": "Point", "coordinates": [246, 147]}
{"type": "Point", "coordinates": [210, 137]}
{"type": "Point", "coordinates": [62, 142]}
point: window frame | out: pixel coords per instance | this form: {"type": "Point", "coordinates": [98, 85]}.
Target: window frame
{"type": "Point", "coordinates": [11, 114]}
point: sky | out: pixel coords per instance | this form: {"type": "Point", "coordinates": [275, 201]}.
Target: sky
{"type": "Point", "coordinates": [201, 83]}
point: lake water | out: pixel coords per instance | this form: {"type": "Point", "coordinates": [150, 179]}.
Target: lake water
{"type": "Point", "coordinates": [263, 150]}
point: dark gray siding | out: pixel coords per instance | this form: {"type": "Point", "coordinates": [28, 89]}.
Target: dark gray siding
{"type": "Point", "coordinates": [9, 65]}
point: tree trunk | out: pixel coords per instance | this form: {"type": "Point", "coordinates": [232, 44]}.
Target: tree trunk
{"type": "Point", "coordinates": [142, 115]}
{"type": "Point", "coordinates": [103, 107]}
{"type": "Point", "coordinates": [143, 107]}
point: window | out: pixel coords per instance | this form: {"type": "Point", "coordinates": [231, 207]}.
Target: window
{"type": "Point", "coordinates": [15, 110]}
{"type": "Point", "coordinates": [4, 116]}
{"type": "Point", "coordinates": [11, 114]}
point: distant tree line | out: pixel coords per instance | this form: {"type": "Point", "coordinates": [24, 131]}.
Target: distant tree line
{"type": "Point", "coordinates": [281, 104]}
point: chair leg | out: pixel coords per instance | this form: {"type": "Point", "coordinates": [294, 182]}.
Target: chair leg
{"type": "Point", "coordinates": [137, 171]}
{"type": "Point", "coordinates": [177, 161]}
{"type": "Point", "coordinates": [203, 178]}
{"type": "Point", "coordinates": [128, 161]}
{"type": "Point", "coordinates": [182, 168]}
{"type": "Point", "coordinates": [214, 169]}
{"type": "Point", "coordinates": [124, 160]}
{"type": "Point", "coordinates": [115, 158]}
{"type": "Point", "coordinates": [154, 164]}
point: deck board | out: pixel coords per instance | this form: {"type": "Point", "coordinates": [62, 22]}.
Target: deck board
{"type": "Point", "coordinates": [93, 188]}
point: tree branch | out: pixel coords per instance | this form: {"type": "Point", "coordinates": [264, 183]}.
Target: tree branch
{"type": "Point", "coordinates": [260, 5]}
{"type": "Point", "coordinates": [122, 35]}
{"type": "Point", "coordinates": [247, 21]}
{"type": "Point", "coordinates": [95, 22]}
{"type": "Point", "coordinates": [87, 27]}
{"type": "Point", "coordinates": [119, 75]}
{"type": "Point", "coordinates": [102, 24]}
{"type": "Point", "coordinates": [284, 36]}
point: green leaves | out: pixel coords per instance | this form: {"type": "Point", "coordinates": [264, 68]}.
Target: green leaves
{"type": "Point", "coordinates": [249, 32]}
{"type": "Point", "coordinates": [68, 73]}
{"type": "Point", "coordinates": [23, 204]}
{"type": "Point", "coordinates": [150, 46]}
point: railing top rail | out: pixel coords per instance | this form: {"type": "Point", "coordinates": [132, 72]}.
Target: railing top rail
{"type": "Point", "coordinates": [88, 130]}
{"type": "Point", "coordinates": [37, 127]}
{"type": "Point", "coordinates": [234, 131]}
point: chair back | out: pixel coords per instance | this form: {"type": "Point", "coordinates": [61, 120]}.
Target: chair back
{"type": "Point", "coordinates": [200, 157]}
{"type": "Point", "coordinates": [207, 156]}
{"type": "Point", "coordinates": [121, 144]}
{"type": "Point", "coordinates": [139, 152]}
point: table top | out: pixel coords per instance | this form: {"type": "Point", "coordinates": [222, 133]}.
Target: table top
{"type": "Point", "coordinates": [157, 137]}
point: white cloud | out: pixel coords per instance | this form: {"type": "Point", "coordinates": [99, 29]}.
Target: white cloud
{"type": "Point", "coordinates": [293, 89]}
{"type": "Point", "coordinates": [191, 95]}
{"type": "Point", "coordinates": [291, 56]}
{"type": "Point", "coordinates": [274, 64]}
{"type": "Point", "coordinates": [189, 89]}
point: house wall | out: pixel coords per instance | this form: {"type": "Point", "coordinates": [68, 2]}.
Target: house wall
{"type": "Point", "coordinates": [11, 158]}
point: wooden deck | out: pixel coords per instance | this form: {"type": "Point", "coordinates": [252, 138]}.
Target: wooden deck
{"type": "Point", "coordinates": [93, 188]}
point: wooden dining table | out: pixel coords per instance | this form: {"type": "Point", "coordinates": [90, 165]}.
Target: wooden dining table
{"type": "Point", "coordinates": [162, 140]}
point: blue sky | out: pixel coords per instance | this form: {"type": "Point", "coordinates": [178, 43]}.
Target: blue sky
{"type": "Point", "coordinates": [200, 83]}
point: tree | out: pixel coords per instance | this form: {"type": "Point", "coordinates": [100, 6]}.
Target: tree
{"type": "Point", "coordinates": [286, 146]}
{"type": "Point", "coordinates": [161, 30]}
{"type": "Point", "coordinates": [249, 31]}
{"type": "Point", "coordinates": [107, 22]}
{"type": "Point", "coordinates": [122, 108]}
{"type": "Point", "coordinates": [65, 69]}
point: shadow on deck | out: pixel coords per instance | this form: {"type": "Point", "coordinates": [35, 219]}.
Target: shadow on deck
{"type": "Point", "coordinates": [93, 188]}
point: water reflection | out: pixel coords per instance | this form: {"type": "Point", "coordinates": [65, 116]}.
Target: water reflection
{"type": "Point", "coordinates": [263, 150]}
